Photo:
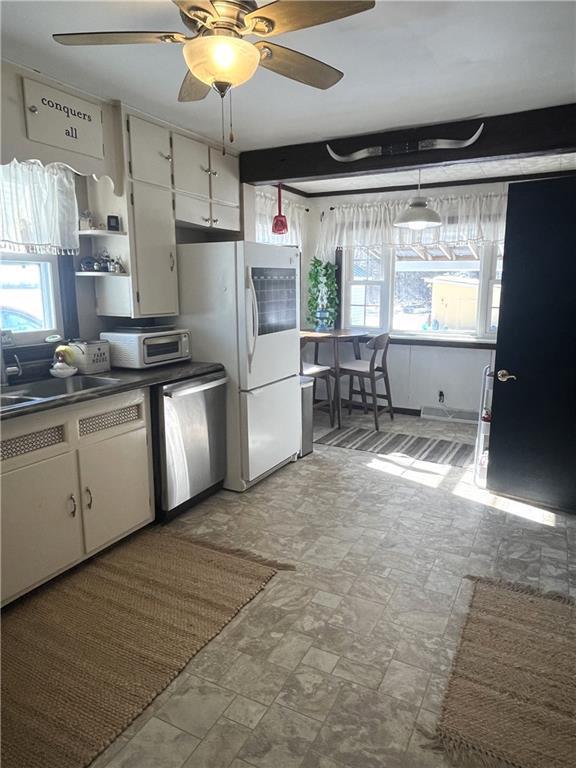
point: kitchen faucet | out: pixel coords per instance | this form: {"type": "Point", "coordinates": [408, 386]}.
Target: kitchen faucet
{"type": "Point", "coordinates": [9, 370]}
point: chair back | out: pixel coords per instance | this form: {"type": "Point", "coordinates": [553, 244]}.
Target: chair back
{"type": "Point", "coordinates": [377, 344]}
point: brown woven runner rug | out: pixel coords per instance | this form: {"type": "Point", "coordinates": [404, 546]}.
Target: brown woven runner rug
{"type": "Point", "coordinates": [511, 697]}
{"type": "Point", "coordinates": [83, 656]}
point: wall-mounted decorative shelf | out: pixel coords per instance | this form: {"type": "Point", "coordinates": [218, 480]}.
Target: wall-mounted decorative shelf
{"type": "Point", "coordinates": [100, 233]}
{"type": "Point", "coordinates": [101, 274]}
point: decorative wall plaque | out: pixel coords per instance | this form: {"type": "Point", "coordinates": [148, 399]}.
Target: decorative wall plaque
{"type": "Point", "coordinates": [54, 117]}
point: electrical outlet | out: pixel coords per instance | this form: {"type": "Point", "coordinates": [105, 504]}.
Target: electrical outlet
{"type": "Point", "coordinates": [440, 396]}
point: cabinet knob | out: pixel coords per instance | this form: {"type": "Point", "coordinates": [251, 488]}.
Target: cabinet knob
{"type": "Point", "coordinates": [74, 506]}
{"type": "Point", "coordinates": [214, 173]}
{"type": "Point", "coordinates": [172, 263]}
{"type": "Point", "coordinates": [90, 500]}
{"type": "Point", "coordinates": [206, 170]}
{"type": "Point", "coordinates": [214, 221]}
{"type": "Point", "coordinates": [166, 157]}
{"type": "Point", "coordinates": [207, 219]}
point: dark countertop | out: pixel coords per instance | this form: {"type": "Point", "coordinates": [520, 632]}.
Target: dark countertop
{"type": "Point", "coordinates": [127, 379]}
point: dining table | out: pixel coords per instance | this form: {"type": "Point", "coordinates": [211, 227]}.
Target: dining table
{"type": "Point", "coordinates": [334, 337]}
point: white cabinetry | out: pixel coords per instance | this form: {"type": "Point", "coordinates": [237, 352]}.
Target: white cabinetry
{"type": "Point", "coordinates": [41, 522]}
{"type": "Point", "coordinates": [155, 250]}
{"type": "Point", "coordinates": [191, 166]}
{"type": "Point", "coordinates": [206, 185]}
{"type": "Point", "coordinates": [171, 178]}
{"type": "Point", "coordinates": [225, 175]}
{"type": "Point", "coordinates": [150, 153]}
{"type": "Point", "coordinates": [73, 480]}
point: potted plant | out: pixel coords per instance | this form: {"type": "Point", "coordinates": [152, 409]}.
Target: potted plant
{"type": "Point", "coordinates": [322, 295]}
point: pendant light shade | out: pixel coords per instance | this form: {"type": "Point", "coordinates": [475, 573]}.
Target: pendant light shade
{"type": "Point", "coordinates": [221, 59]}
{"type": "Point", "coordinates": [418, 215]}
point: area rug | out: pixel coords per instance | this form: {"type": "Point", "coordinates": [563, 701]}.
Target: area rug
{"type": "Point", "coordinates": [430, 449]}
{"type": "Point", "coordinates": [84, 655]}
{"type": "Point", "coordinates": [511, 697]}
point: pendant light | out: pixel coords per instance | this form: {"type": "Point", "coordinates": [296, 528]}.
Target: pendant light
{"type": "Point", "coordinates": [418, 215]}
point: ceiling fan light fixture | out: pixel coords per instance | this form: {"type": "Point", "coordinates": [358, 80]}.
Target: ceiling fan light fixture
{"type": "Point", "coordinates": [418, 216]}
{"type": "Point", "coordinates": [221, 59]}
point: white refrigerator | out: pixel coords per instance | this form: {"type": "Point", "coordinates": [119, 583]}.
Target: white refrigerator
{"type": "Point", "coordinates": [241, 302]}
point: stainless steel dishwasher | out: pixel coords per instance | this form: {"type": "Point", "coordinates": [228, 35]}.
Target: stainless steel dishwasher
{"type": "Point", "coordinates": [191, 440]}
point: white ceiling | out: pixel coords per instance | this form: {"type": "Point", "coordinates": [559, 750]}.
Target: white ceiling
{"type": "Point", "coordinates": [486, 169]}
{"type": "Point", "coordinates": [405, 63]}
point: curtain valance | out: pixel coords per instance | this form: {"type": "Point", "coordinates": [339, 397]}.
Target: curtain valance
{"type": "Point", "coordinates": [266, 207]}
{"type": "Point", "coordinates": [38, 208]}
{"type": "Point", "coordinates": [468, 218]}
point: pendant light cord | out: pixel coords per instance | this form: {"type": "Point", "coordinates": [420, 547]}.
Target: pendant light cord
{"type": "Point", "coordinates": [223, 139]}
{"type": "Point", "coordinates": [231, 136]}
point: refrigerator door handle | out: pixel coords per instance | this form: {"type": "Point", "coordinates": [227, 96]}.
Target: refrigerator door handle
{"type": "Point", "coordinates": [254, 308]}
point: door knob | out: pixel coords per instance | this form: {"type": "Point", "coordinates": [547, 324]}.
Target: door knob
{"type": "Point", "coordinates": [504, 376]}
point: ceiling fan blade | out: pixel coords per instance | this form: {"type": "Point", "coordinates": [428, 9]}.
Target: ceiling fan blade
{"type": "Point", "coordinates": [119, 38]}
{"type": "Point", "coordinates": [193, 89]}
{"type": "Point", "coordinates": [288, 15]}
{"type": "Point", "coordinates": [189, 6]}
{"type": "Point", "coordinates": [297, 66]}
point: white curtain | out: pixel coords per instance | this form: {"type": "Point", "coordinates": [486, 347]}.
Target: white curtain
{"type": "Point", "coordinates": [467, 218]}
{"type": "Point", "coordinates": [38, 208]}
{"type": "Point", "coordinates": [266, 207]}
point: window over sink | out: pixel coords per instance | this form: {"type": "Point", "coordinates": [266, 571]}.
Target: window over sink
{"type": "Point", "coordinates": [29, 297]}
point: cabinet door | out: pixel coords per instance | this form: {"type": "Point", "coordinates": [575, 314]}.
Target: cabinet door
{"type": "Point", "coordinates": [41, 522]}
{"type": "Point", "coordinates": [150, 154]}
{"type": "Point", "coordinates": [191, 164]}
{"type": "Point", "coordinates": [154, 237]}
{"type": "Point", "coordinates": [192, 210]}
{"type": "Point", "coordinates": [225, 217]}
{"type": "Point", "coordinates": [224, 178]}
{"type": "Point", "coordinates": [114, 487]}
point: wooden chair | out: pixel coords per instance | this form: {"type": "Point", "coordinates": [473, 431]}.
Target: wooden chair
{"type": "Point", "coordinates": [317, 371]}
{"type": "Point", "coordinates": [372, 371]}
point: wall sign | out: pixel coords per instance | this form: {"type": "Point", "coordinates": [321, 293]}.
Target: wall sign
{"type": "Point", "coordinates": [54, 117]}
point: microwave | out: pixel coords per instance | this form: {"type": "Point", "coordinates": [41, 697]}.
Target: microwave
{"type": "Point", "coordinates": [143, 349]}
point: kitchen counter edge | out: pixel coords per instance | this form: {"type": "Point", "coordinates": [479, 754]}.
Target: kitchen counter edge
{"type": "Point", "coordinates": [128, 379]}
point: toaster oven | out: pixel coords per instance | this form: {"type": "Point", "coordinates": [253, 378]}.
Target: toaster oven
{"type": "Point", "coordinates": [143, 349]}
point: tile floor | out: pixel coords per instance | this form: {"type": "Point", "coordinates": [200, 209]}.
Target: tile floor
{"type": "Point", "coordinates": [337, 664]}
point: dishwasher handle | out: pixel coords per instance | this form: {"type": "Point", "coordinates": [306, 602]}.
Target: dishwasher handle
{"type": "Point", "coordinates": [191, 389]}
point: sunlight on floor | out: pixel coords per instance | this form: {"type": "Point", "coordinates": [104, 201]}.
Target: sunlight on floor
{"type": "Point", "coordinates": [466, 489]}
{"type": "Point", "coordinates": [423, 472]}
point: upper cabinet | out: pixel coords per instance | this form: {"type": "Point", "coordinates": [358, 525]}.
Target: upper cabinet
{"type": "Point", "coordinates": [206, 185]}
{"type": "Point", "coordinates": [224, 178]}
{"type": "Point", "coordinates": [171, 179]}
{"type": "Point", "coordinates": [191, 163]}
{"type": "Point", "coordinates": [150, 153]}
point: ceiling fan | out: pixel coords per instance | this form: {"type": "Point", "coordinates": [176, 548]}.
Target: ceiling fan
{"type": "Point", "coordinates": [218, 56]}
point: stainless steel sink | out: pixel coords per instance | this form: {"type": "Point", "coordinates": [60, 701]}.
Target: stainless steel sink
{"type": "Point", "coordinates": [48, 389]}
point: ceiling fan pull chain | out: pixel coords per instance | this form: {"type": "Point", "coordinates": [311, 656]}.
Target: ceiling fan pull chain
{"type": "Point", "coordinates": [223, 139]}
{"type": "Point", "coordinates": [231, 136]}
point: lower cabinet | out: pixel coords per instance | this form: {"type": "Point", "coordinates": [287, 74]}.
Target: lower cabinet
{"type": "Point", "coordinates": [41, 522]}
{"type": "Point", "coordinates": [73, 481]}
{"type": "Point", "coordinates": [114, 486]}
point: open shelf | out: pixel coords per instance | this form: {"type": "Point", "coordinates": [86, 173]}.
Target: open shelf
{"type": "Point", "coordinates": [100, 233]}
{"type": "Point", "coordinates": [101, 274]}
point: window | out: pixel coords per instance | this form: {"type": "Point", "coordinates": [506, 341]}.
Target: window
{"type": "Point", "coordinates": [436, 289]}
{"type": "Point", "coordinates": [366, 298]}
{"type": "Point", "coordinates": [29, 305]}
{"type": "Point", "coordinates": [423, 290]}
{"type": "Point", "coordinates": [494, 293]}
